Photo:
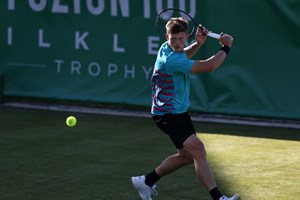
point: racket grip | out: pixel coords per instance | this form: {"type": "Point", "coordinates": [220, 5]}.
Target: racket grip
{"type": "Point", "coordinates": [213, 35]}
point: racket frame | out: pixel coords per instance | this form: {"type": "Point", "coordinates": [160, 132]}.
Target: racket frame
{"type": "Point", "coordinates": [210, 33]}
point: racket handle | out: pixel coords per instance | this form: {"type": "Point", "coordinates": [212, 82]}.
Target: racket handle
{"type": "Point", "coordinates": [213, 35]}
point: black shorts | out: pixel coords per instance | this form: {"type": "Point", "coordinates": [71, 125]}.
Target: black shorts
{"type": "Point", "coordinates": [177, 126]}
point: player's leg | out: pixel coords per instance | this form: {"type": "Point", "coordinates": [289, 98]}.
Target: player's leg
{"type": "Point", "coordinates": [194, 146]}
{"type": "Point", "coordinates": [178, 127]}
{"type": "Point", "coordinates": [146, 184]}
{"type": "Point", "coordinates": [174, 162]}
{"type": "Point", "coordinates": [175, 126]}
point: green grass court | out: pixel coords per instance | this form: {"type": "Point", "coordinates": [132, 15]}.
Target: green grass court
{"type": "Point", "coordinates": [42, 158]}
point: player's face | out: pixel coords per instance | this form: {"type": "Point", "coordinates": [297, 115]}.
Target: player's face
{"type": "Point", "coordinates": [177, 41]}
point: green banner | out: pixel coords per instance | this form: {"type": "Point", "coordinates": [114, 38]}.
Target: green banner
{"type": "Point", "coordinates": [104, 51]}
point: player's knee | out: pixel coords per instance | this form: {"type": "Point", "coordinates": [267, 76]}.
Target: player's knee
{"type": "Point", "coordinates": [199, 151]}
{"type": "Point", "coordinates": [196, 147]}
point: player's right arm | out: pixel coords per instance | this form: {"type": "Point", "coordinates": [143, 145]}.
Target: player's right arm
{"type": "Point", "coordinates": [216, 60]}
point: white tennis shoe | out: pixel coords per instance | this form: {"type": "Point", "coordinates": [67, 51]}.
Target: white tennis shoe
{"type": "Point", "coordinates": [234, 197]}
{"type": "Point", "coordinates": [144, 190]}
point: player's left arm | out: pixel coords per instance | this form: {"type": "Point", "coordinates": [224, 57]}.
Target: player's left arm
{"type": "Point", "coordinates": [216, 60]}
{"type": "Point", "coordinates": [200, 37]}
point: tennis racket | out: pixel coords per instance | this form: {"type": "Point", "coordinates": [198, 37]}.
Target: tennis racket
{"type": "Point", "coordinates": [164, 16]}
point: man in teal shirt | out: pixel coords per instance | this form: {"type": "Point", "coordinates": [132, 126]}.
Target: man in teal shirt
{"type": "Point", "coordinates": [170, 103]}
{"type": "Point", "coordinates": [171, 82]}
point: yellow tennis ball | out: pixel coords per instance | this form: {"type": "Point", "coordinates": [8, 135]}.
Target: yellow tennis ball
{"type": "Point", "coordinates": [71, 121]}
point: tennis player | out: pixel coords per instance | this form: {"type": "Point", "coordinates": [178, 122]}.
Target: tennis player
{"type": "Point", "coordinates": [170, 103]}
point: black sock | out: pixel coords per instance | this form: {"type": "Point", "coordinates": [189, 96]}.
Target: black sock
{"type": "Point", "coordinates": [215, 193]}
{"type": "Point", "coordinates": [151, 178]}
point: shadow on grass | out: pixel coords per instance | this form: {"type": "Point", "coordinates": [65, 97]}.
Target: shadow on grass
{"type": "Point", "coordinates": [249, 131]}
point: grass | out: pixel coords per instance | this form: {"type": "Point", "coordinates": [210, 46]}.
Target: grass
{"type": "Point", "coordinates": [41, 158]}
{"type": "Point", "coordinates": [255, 167]}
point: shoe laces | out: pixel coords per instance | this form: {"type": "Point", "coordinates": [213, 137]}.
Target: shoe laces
{"type": "Point", "coordinates": [153, 191]}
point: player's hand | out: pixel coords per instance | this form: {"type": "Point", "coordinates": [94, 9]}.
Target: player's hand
{"type": "Point", "coordinates": [201, 34]}
{"type": "Point", "coordinates": [226, 39]}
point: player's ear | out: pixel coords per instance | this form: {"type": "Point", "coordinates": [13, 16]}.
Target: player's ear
{"type": "Point", "coordinates": [167, 36]}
